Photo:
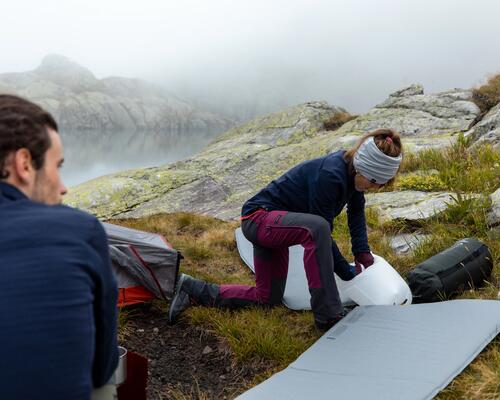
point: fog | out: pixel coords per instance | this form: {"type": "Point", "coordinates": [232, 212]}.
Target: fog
{"type": "Point", "coordinates": [249, 57]}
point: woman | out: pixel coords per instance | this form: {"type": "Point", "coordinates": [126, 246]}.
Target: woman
{"type": "Point", "coordinates": [299, 208]}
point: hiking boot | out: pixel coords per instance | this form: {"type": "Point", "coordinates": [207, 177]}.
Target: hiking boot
{"type": "Point", "coordinates": [325, 326]}
{"type": "Point", "coordinates": [180, 301]}
{"type": "Point", "coordinates": [190, 290]}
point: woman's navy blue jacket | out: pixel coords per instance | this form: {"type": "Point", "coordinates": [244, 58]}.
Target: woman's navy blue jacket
{"type": "Point", "coordinates": [323, 187]}
{"type": "Point", "coordinates": [58, 314]}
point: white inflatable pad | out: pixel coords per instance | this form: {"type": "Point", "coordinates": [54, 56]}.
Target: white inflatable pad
{"type": "Point", "coordinates": [388, 353]}
{"type": "Point", "coordinates": [379, 284]}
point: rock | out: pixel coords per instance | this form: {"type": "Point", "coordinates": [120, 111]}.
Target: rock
{"type": "Point", "coordinates": [431, 120]}
{"type": "Point", "coordinates": [63, 72]}
{"type": "Point", "coordinates": [81, 102]}
{"type": "Point", "coordinates": [411, 90]}
{"type": "Point", "coordinates": [493, 217]}
{"type": "Point", "coordinates": [236, 165]}
{"type": "Point", "coordinates": [219, 179]}
{"type": "Point", "coordinates": [408, 205]}
{"type": "Point", "coordinates": [488, 129]}
{"type": "Point", "coordinates": [156, 330]}
{"type": "Point", "coordinates": [207, 350]}
{"type": "Point", "coordinates": [405, 243]}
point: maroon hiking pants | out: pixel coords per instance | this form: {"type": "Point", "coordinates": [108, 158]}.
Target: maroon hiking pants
{"type": "Point", "coordinates": [271, 233]}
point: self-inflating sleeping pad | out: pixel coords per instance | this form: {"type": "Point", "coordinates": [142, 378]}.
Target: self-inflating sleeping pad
{"type": "Point", "coordinates": [388, 353]}
{"type": "Point", "coordinates": [464, 265]}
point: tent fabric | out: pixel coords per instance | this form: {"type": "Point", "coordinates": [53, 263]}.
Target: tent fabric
{"type": "Point", "coordinates": [145, 265]}
{"type": "Point", "coordinates": [134, 295]}
{"type": "Point", "coordinates": [388, 353]}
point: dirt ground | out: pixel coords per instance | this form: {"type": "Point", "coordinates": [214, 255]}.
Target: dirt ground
{"type": "Point", "coordinates": [185, 362]}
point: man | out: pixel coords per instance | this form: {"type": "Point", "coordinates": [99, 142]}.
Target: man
{"type": "Point", "coordinates": [57, 292]}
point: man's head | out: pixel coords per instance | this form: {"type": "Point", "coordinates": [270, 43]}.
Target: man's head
{"type": "Point", "coordinates": [31, 151]}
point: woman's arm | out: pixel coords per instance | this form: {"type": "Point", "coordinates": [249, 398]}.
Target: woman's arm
{"type": "Point", "coordinates": [357, 227]}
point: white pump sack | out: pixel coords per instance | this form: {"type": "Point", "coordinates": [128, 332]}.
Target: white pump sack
{"type": "Point", "coordinates": [379, 284]}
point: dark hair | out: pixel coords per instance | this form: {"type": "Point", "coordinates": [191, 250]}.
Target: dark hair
{"type": "Point", "coordinates": [392, 146]}
{"type": "Point", "coordinates": [23, 124]}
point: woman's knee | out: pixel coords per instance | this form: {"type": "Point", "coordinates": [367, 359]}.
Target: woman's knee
{"type": "Point", "coordinates": [319, 228]}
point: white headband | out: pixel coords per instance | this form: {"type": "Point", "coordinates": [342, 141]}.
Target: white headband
{"type": "Point", "coordinates": [374, 164]}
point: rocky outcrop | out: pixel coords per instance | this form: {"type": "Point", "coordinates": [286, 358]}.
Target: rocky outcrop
{"type": "Point", "coordinates": [218, 180]}
{"type": "Point", "coordinates": [488, 129]}
{"type": "Point", "coordinates": [79, 101]}
{"type": "Point", "coordinates": [238, 163]}
{"type": "Point", "coordinates": [408, 205]}
{"type": "Point", "coordinates": [425, 120]}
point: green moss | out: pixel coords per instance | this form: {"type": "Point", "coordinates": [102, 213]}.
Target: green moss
{"type": "Point", "coordinates": [300, 136]}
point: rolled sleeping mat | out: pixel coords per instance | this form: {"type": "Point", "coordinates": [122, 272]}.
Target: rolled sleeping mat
{"type": "Point", "coordinates": [466, 264]}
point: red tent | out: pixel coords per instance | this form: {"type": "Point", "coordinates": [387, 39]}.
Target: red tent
{"type": "Point", "coordinates": [145, 264]}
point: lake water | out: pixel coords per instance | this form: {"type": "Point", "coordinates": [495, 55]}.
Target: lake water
{"type": "Point", "coordinates": [89, 155]}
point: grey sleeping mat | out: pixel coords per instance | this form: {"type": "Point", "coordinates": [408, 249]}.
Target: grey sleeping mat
{"type": "Point", "coordinates": [388, 352]}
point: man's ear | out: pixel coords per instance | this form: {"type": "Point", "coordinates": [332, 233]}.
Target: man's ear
{"type": "Point", "coordinates": [22, 164]}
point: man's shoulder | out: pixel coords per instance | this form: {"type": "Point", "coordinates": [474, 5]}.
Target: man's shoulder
{"type": "Point", "coordinates": [70, 218]}
{"type": "Point", "coordinates": [54, 218]}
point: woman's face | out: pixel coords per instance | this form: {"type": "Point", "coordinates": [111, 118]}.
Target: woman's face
{"type": "Point", "coordinates": [362, 184]}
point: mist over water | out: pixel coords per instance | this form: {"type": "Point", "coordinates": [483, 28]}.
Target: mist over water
{"type": "Point", "coordinates": [89, 155]}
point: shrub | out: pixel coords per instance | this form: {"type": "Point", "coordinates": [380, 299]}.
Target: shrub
{"type": "Point", "coordinates": [337, 120]}
{"type": "Point", "coordinates": [487, 96]}
{"type": "Point", "coordinates": [460, 168]}
{"type": "Point", "coordinates": [425, 183]}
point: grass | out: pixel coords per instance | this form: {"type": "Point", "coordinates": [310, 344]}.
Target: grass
{"type": "Point", "coordinates": [277, 336]}
{"type": "Point", "coordinates": [460, 168]}
{"type": "Point", "coordinates": [337, 120]}
{"type": "Point", "coordinates": [487, 96]}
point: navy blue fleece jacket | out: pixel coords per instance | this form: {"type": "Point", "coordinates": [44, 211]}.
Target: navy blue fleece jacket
{"type": "Point", "coordinates": [323, 187]}
{"type": "Point", "coordinates": [57, 301]}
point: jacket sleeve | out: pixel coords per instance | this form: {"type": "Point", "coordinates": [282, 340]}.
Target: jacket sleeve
{"type": "Point", "coordinates": [323, 194]}
{"type": "Point", "coordinates": [357, 223]}
{"type": "Point", "coordinates": [105, 311]}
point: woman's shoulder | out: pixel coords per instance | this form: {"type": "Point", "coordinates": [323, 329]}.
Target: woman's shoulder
{"type": "Point", "coordinates": [335, 163]}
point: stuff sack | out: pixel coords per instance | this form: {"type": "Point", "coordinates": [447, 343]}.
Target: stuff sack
{"type": "Point", "coordinates": [464, 265]}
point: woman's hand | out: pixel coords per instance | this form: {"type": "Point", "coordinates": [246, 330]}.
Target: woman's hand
{"type": "Point", "coordinates": [363, 260]}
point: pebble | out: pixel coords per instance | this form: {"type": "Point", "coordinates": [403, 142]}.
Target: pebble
{"type": "Point", "coordinates": [140, 330]}
{"type": "Point", "coordinates": [207, 350]}
{"type": "Point", "coordinates": [156, 330]}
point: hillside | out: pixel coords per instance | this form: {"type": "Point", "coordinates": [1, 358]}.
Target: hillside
{"type": "Point", "coordinates": [81, 102]}
{"type": "Point", "coordinates": [239, 162]}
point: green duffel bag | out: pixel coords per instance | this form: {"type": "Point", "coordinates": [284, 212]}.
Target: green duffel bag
{"type": "Point", "coordinates": [466, 264]}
